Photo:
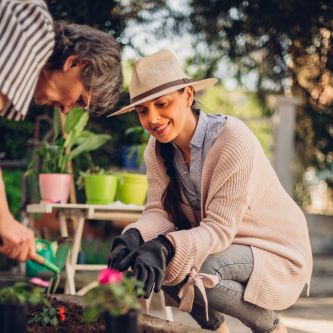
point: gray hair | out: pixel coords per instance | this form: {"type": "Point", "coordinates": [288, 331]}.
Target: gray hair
{"type": "Point", "coordinates": [103, 73]}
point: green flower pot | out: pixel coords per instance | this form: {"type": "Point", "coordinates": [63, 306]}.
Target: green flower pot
{"type": "Point", "coordinates": [132, 188]}
{"type": "Point", "coordinates": [100, 189]}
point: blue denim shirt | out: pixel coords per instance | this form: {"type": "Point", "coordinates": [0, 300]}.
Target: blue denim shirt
{"type": "Point", "coordinates": [208, 129]}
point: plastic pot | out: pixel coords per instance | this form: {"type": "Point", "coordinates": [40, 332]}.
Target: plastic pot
{"type": "Point", "coordinates": [100, 189]}
{"type": "Point", "coordinates": [127, 323]}
{"type": "Point", "coordinates": [13, 318]}
{"type": "Point", "coordinates": [54, 187]}
{"type": "Point", "coordinates": [132, 188]}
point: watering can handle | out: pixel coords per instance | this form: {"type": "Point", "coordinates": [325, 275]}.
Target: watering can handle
{"type": "Point", "coordinates": [37, 258]}
{"type": "Point", "coordinates": [43, 261]}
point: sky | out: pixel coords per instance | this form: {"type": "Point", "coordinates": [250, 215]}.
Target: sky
{"type": "Point", "coordinates": [181, 45]}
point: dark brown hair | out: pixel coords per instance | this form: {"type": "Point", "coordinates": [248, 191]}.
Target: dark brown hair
{"type": "Point", "coordinates": [171, 198]}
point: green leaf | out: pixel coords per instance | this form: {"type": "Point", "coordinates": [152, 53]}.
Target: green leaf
{"type": "Point", "coordinates": [72, 118]}
{"type": "Point", "coordinates": [71, 137]}
{"type": "Point", "coordinates": [91, 143]}
{"type": "Point", "coordinates": [91, 313]}
{"type": "Point", "coordinates": [81, 124]}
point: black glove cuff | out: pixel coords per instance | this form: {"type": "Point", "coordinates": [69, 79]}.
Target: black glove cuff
{"type": "Point", "coordinates": [136, 233]}
{"type": "Point", "coordinates": [130, 238]}
{"type": "Point", "coordinates": [168, 245]}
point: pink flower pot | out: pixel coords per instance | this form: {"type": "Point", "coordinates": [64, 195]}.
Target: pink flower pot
{"type": "Point", "coordinates": [54, 187]}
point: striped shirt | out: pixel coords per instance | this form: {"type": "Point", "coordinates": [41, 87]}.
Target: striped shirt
{"type": "Point", "coordinates": [208, 129]}
{"type": "Point", "coordinates": [26, 42]}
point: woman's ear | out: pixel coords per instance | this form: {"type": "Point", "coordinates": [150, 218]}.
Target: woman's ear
{"type": "Point", "coordinates": [72, 61]}
{"type": "Point", "coordinates": [189, 93]}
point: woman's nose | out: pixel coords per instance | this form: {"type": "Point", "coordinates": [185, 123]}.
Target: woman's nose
{"type": "Point", "coordinates": [154, 115]}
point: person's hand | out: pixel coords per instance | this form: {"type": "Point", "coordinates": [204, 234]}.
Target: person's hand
{"type": "Point", "coordinates": [122, 246]}
{"type": "Point", "coordinates": [16, 240]}
{"type": "Point", "coordinates": [149, 263]}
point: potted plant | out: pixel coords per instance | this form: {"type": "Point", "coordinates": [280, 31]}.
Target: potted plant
{"type": "Point", "coordinates": [13, 306]}
{"type": "Point", "coordinates": [114, 299]}
{"type": "Point", "coordinates": [53, 157]}
{"type": "Point", "coordinates": [136, 139]}
{"type": "Point", "coordinates": [100, 185]}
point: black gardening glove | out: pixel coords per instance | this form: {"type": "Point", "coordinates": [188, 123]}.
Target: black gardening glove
{"type": "Point", "coordinates": [149, 263]}
{"type": "Point", "coordinates": [122, 246]}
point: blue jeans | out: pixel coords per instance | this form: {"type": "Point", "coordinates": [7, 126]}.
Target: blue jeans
{"type": "Point", "coordinates": [234, 267]}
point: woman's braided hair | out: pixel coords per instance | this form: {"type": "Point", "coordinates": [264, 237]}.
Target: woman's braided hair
{"type": "Point", "coordinates": [171, 198]}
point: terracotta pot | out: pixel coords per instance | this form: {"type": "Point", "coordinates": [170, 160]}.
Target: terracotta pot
{"type": "Point", "coordinates": [54, 187]}
{"type": "Point", "coordinates": [127, 323]}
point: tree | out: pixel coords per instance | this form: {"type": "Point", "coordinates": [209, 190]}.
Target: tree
{"type": "Point", "coordinates": [287, 43]}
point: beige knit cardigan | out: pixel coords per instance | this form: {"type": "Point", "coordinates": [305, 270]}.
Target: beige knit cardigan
{"type": "Point", "coordinates": [242, 202]}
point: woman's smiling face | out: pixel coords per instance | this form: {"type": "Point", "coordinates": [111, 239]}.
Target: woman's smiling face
{"type": "Point", "coordinates": [165, 117]}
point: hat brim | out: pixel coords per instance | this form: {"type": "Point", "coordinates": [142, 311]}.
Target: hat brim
{"type": "Point", "coordinates": [197, 86]}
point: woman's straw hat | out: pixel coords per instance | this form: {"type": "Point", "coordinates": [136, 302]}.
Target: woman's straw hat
{"type": "Point", "coordinates": [157, 75]}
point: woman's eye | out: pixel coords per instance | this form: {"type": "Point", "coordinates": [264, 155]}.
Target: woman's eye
{"type": "Point", "coordinates": [162, 104]}
{"type": "Point", "coordinates": [140, 111]}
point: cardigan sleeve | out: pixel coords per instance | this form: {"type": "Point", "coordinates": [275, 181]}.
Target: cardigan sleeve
{"type": "Point", "coordinates": [226, 204]}
{"type": "Point", "coordinates": [154, 220]}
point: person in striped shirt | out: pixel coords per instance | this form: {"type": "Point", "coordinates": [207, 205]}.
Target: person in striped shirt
{"type": "Point", "coordinates": [61, 65]}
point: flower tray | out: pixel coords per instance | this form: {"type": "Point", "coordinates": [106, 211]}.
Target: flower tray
{"type": "Point", "coordinates": [74, 322]}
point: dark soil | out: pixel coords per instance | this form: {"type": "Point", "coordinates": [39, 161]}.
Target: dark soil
{"type": "Point", "coordinates": [72, 323]}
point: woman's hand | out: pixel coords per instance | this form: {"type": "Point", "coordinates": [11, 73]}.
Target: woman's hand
{"type": "Point", "coordinates": [149, 263]}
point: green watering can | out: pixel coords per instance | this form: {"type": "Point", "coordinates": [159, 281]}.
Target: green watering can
{"type": "Point", "coordinates": [45, 261]}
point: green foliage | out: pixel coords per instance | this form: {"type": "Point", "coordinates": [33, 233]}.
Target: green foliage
{"type": "Point", "coordinates": [22, 293]}
{"type": "Point", "coordinates": [13, 184]}
{"type": "Point", "coordinates": [116, 298]}
{"type": "Point", "coordinates": [285, 46]}
{"type": "Point", "coordinates": [96, 170]}
{"type": "Point", "coordinates": [48, 317]}
{"type": "Point", "coordinates": [245, 106]}
{"type": "Point", "coordinates": [138, 138]}
{"type": "Point", "coordinates": [93, 170]}
{"type": "Point", "coordinates": [54, 156]}
{"type": "Point", "coordinates": [137, 135]}
{"type": "Point", "coordinates": [14, 137]}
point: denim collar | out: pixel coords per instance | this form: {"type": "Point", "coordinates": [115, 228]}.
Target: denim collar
{"type": "Point", "coordinates": [200, 131]}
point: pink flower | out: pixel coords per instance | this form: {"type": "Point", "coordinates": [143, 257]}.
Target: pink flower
{"type": "Point", "coordinates": [40, 282]}
{"type": "Point", "coordinates": [109, 275]}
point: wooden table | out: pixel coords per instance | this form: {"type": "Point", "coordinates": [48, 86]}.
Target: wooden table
{"type": "Point", "coordinates": [80, 213]}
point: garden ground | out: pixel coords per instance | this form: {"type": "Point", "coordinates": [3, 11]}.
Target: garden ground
{"type": "Point", "coordinates": [308, 315]}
